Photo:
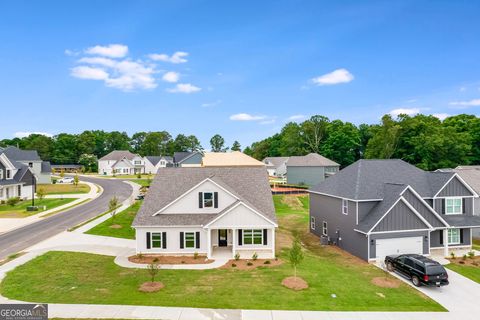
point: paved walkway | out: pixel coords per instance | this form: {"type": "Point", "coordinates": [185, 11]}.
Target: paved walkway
{"type": "Point", "coordinates": [9, 224]}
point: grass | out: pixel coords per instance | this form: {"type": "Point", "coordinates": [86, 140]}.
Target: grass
{"type": "Point", "coordinates": [476, 244]}
{"type": "Point", "coordinates": [65, 209]}
{"type": "Point", "coordinates": [328, 271]}
{"type": "Point", "coordinates": [471, 272]}
{"type": "Point", "coordinates": [91, 219]}
{"type": "Point", "coordinates": [60, 188]}
{"type": "Point", "coordinates": [11, 257]}
{"type": "Point", "coordinates": [123, 219]}
{"type": "Point", "coordinates": [20, 209]}
{"type": "Point", "coordinates": [142, 182]}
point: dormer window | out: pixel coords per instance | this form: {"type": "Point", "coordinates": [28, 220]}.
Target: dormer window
{"type": "Point", "coordinates": [8, 174]}
{"type": "Point", "coordinates": [208, 199]}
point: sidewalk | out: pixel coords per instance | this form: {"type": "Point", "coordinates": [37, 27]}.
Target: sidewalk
{"type": "Point", "coordinates": [9, 224]}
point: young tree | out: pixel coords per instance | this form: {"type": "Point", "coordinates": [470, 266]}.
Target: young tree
{"type": "Point", "coordinates": [218, 143]}
{"type": "Point", "coordinates": [153, 269]}
{"type": "Point", "coordinates": [62, 173]}
{"type": "Point", "coordinates": [75, 180]}
{"type": "Point", "coordinates": [112, 207]}
{"type": "Point", "coordinates": [296, 255]}
{"type": "Point", "coordinates": [41, 193]}
{"type": "Point", "coordinates": [236, 146]}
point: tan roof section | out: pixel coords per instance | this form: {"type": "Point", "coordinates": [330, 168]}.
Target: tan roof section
{"type": "Point", "coordinates": [229, 159]}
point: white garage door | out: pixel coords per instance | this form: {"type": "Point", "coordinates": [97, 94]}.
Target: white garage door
{"type": "Point", "coordinates": [385, 247]}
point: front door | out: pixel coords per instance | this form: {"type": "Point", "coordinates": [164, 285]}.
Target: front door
{"type": "Point", "coordinates": [222, 237]}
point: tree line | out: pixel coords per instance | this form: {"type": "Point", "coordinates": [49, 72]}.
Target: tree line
{"type": "Point", "coordinates": [422, 140]}
{"type": "Point", "coordinates": [86, 147]}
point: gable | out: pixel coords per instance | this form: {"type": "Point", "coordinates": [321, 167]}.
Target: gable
{"type": "Point", "coordinates": [193, 159]}
{"type": "Point", "coordinates": [241, 216]}
{"type": "Point", "coordinates": [188, 203]}
{"type": "Point", "coordinates": [423, 209]}
{"type": "Point", "coordinates": [400, 217]}
{"type": "Point", "coordinates": [122, 164]}
{"type": "Point", "coordinates": [455, 188]}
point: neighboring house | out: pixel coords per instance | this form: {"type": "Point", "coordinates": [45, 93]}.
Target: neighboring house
{"type": "Point", "coordinates": [218, 211]}
{"type": "Point", "coordinates": [310, 169]}
{"type": "Point", "coordinates": [276, 166]}
{"type": "Point", "coordinates": [70, 168]}
{"type": "Point", "coordinates": [187, 159]}
{"type": "Point", "coordinates": [16, 179]}
{"type": "Point", "coordinates": [122, 162]}
{"type": "Point", "coordinates": [230, 159]}
{"type": "Point", "coordinates": [41, 169]}
{"type": "Point", "coordinates": [374, 208]}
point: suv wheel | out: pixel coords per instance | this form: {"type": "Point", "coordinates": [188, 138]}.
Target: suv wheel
{"type": "Point", "coordinates": [389, 266]}
{"type": "Point", "coordinates": [416, 281]}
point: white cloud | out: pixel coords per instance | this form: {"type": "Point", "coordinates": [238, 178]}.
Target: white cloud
{"type": "Point", "coordinates": [296, 117]}
{"type": "Point", "coordinates": [177, 57]}
{"type": "Point", "coordinates": [23, 134]}
{"type": "Point", "coordinates": [466, 104]}
{"type": "Point", "coordinates": [171, 76]}
{"type": "Point", "coordinates": [99, 60]}
{"type": "Point", "coordinates": [85, 72]}
{"type": "Point", "coordinates": [246, 117]}
{"type": "Point", "coordinates": [184, 88]}
{"type": "Point", "coordinates": [335, 77]}
{"type": "Point", "coordinates": [441, 116]}
{"type": "Point", "coordinates": [112, 50]}
{"type": "Point", "coordinates": [211, 104]}
{"type": "Point", "coordinates": [407, 111]}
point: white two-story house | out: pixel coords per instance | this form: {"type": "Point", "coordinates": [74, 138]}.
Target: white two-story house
{"type": "Point", "coordinates": [218, 211]}
{"type": "Point", "coordinates": [123, 162]}
{"type": "Point", "coordinates": [16, 179]}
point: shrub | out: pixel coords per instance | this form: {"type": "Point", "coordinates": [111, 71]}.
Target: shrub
{"type": "Point", "coordinates": [452, 254]}
{"type": "Point", "coordinates": [195, 255]}
{"type": "Point", "coordinates": [237, 256]}
{"type": "Point", "coordinates": [41, 193]}
{"type": "Point", "coordinates": [13, 201]}
{"type": "Point", "coordinates": [249, 263]}
{"type": "Point", "coordinates": [155, 260]}
{"type": "Point", "coordinates": [234, 265]}
{"type": "Point", "coordinates": [471, 254]}
{"type": "Point", "coordinates": [254, 256]}
{"type": "Point", "coordinates": [464, 257]}
{"type": "Point", "coordinates": [139, 175]}
{"type": "Point", "coordinates": [267, 262]}
{"type": "Point", "coordinates": [140, 255]}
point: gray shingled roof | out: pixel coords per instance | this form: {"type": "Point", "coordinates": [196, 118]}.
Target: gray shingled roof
{"type": "Point", "coordinates": [462, 220]}
{"type": "Point", "coordinates": [154, 159]}
{"type": "Point", "coordinates": [472, 177]}
{"type": "Point", "coordinates": [365, 179]}
{"type": "Point", "coordinates": [276, 161]}
{"type": "Point", "coordinates": [181, 156]}
{"type": "Point", "coordinates": [310, 160]}
{"type": "Point", "coordinates": [249, 184]}
{"type": "Point", "coordinates": [16, 154]}
{"type": "Point", "coordinates": [119, 155]}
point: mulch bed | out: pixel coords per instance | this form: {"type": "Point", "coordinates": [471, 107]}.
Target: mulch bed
{"type": "Point", "coordinates": [386, 282]}
{"type": "Point", "coordinates": [244, 264]}
{"type": "Point", "coordinates": [151, 287]}
{"type": "Point", "coordinates": [147, 259]}
{"type": "Point", "coordinates": [296, 284]}
{"type": "Point", "coordinates": [472, 262]}
{"type": "Point", "coordinates": [116, 226]}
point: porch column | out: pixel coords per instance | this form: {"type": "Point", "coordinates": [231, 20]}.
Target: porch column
{"type": "Point", "coordinates": [445, 242]}
{"type": "Point", "coordinates": [234, 242]}
{"type": "Point", "coordinates": [209, 244]}
{"type": "Point", "coordinates": [273, 243]}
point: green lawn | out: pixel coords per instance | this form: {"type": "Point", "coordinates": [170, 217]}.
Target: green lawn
{"type": "Point", "coordinates": [124, 219]}
{"type": "Point", "coordinates": [142, 182]}
{"type": "Point", "coordinates": [327, 270]}
{"type": "Point", "coordinates": [20, 209]}
{"type": "Point", "coordinates": [476, 243]}
{"type": "Point", "coordinates": [471, 272]}
{"type": "Point", "coordinates": [60, 188]}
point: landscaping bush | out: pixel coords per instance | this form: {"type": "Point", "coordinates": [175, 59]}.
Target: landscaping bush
{"type": "Point", "coordinates": [195, 255]}
{"type": "Point", "coordinates": [254, 256]}
{"type": "Point", "coordinates": [471, 254]}
{"type": "Point", "coordinates": [13, 201]}
{"type": "Point", "coordinates": [452, 254]}
{"type": "Point", "coordinates": [464, 257]}
{"type": "Point", "coordinates": [237, 256]}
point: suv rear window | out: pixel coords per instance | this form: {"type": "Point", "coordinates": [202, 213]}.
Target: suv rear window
{"type": "Point", "coordinates": [435, 269]}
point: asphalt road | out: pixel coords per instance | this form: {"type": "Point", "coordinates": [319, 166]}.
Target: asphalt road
{"type": "Point", "coordinates": [24, 237]}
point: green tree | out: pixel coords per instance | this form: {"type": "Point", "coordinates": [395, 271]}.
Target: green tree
{"type": "Point", "coordinates": [156, 143]}
{"type": "Point", "coordinates": [116, 140]}
{"type": "Point", "coordinates": [138, 139]}
{"type": "Point", "coordinates": [218, 143]}
{"type": "Point", "coordinates": [112, 207]}
{"type": "Point", "coordinates": [86, 143]}
{"type": "Point", "coordinates": [64, 149]}
{"type": "Point", "coordinates": [342, 144]}
{"type": "Point", "coordinates": [295, 255]}
{"type": "Point", "coordinates": [236, 146]}
{"type": "Point", "coordinates": [41, 193]}
{"type": "Point", "coordinates": [313, 131]}
{"type": "Point", "coordinates": [75, 180]}
{"type": "Point", "coordinates": [89, 162]}
{"type": "Point", "coordinates": [385, 138]}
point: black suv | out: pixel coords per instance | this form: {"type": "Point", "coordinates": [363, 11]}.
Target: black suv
{"type": "Point", "coordinates": [421, 270]}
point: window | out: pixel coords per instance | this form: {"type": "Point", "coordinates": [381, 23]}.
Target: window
{"type": "Point", "coordinates": [453, 206]}
{"type": "Point", "coordinates": [189, 239]}
{"type": "Point", "coordinates": [138, 162]}
{"type": "Point", "coordinates": [312, 223]}
{"type": "Point", "coordinates": [453, 236]}
{"type": "Point", "coordinates": [344, 206]}
{"type": "Point", "coordinates": [156, 240]}
{"type": "Point", "coordinates": [325, 228]}
{"type": "Point", "coordinates": [1, 174]}
{"type": "Point", "coordinates": [30, 164]}
{"type": "Point", "coordinates": [8, 174]}
{"type": "Point", "coordinates": [253, 236]}
{"type": "Point", "coordinates": [208, 199]}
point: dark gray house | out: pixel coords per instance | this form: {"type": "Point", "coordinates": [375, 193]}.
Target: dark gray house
{"type": "Point", "coordinates": [310, 169]}
{"type": "Point", "coordinates": [373, 208]}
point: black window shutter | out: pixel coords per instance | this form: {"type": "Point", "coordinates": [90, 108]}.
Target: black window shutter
{"type": "Point", "coordinates": [443, 206]}
{"type": "Point", "coordinates": [148, 240]}
{"type": "Point", "coordinates": [461, 236]}
{"type": "Point", "coordinates": [215, 199]}
{"type": "Point", "coordinates": [181, 240]}
{"type": "Point", "coordinates": [164, 240]}
{"type": "Point", "coordinates": [197, 240]}
{"type": "Point", "coordinates": [441, 236]}
{"type": "Point", "coordinates": [200, 200]}
{"type": "Point", "coordinates": [240, 238]}
{"type": "Point", "coordinates": [463, 205]}
{"type": "Point", "coordinates": [265, 233]}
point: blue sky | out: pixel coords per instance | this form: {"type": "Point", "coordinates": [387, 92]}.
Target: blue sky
{"type": "Point", "coordinates": [241, 69]}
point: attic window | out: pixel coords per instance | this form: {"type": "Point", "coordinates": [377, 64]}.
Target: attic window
{"type": "Point", "coordinates": [208, 199]}
{"type": "Point", "coordinates": [8, 174]}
